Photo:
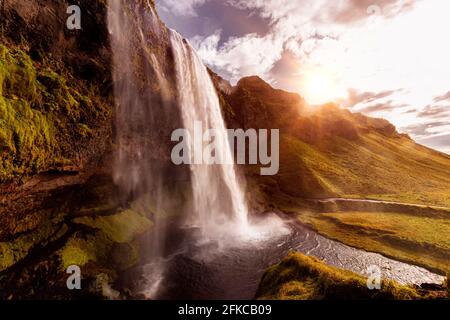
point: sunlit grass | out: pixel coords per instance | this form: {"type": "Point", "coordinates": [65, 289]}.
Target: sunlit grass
{"type": "Point", "coordinates": [421, 240]}
{"type": "Point", "coordinates": [376, 167]}
{"type": "Point", "coordinates": [299, 277]}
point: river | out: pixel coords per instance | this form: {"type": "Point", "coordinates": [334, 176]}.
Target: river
{"type": "Point", "coordinates": [195, 269]}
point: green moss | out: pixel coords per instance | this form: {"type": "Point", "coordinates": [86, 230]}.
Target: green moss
{"type": "Point", "coordinates": [14, 251]}
{"type": "Point", "coordinates": [18, 75]}
{"type": "Point", "coordinates": [43, 113]}
{"type": "Point", "coordinates": [306, 278]}
{"type": "Point", "coordinates": [125, 255]}
{"type": "Point", "coordinates": [297, 290]}
{"type": "Point", "coordinates": [84, 130]}
{"type": "Point", "coordinates": [121, 228]}
{"type": "Point", "coordinates": [26, 135]}
{"type": "Point", "coordinates": [112, 241]}
{"type": "Point", "coordinates": [147, 203]}
{"type": "Point", "coordinates": [81, 249]}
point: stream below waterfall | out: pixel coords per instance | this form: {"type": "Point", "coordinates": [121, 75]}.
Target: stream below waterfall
{"type": "Point", "coordinates": [195, 269]}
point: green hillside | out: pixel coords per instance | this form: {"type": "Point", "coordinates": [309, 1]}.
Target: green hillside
{"type": "Point", "coordinates": [330, 152]}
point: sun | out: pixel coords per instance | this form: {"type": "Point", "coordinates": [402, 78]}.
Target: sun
{"type": "Point", "coordinates": [320, 87]}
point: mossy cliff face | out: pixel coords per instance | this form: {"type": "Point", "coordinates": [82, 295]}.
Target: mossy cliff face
{"type": "Point", "coordinates": [54, 88]}
{"type": "Point", "coordinates": [58, 203]}
{"type": "Point", "coordinates": [44, 115]}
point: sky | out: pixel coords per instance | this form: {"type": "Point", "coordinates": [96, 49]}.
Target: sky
{"type": "Point", "coordinates": [384, 58]}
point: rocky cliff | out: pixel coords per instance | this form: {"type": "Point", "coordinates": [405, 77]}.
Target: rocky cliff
{"type": "Point", "coordinates": [59, 205]}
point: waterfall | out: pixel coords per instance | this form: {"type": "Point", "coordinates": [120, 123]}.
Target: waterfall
{"type": "Point", "coordinates": [219, 201]}
{"type": "Point", "coordinates": [142, 111]}
{"type": "Point", "coordinates": [157, 93]}
{"type": "Point", "coordinates": [132, 107]}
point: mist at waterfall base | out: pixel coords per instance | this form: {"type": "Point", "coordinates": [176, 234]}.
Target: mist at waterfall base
{"type": "Point", "coordinates": [214, 217]}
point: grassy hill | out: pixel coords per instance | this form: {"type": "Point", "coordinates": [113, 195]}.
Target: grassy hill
{"type": "Point", "coordinates": [299, 277]}
{"type": "Point", "coordinates": [330, 152]}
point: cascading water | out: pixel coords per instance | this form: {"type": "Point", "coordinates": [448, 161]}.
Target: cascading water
{"type": "Point", "coordinates": [219, 202]}
{"type": "Point", "coordinates": [218, 199]}
{"type": "Point", "coordinates": [148, 109]}
{"type": "Point", "coordinates": [142, 110]}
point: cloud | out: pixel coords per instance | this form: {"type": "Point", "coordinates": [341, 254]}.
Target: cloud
{"type": "Point", "coordinates": [299, 26]}
{"type": "Point", "coordinates": [240, 57]}
{"type": "Point", "coordinates": [213, 15]}
{"type": "Point", "coordinates": [444, 97]}
{"type": "Point", "coordinates": [285, 72]}
{"type": "Point", "coordinates": [324, 11]}
{"type": "Point", "coordinates": [434, 112]}
{"type": "Point", "coordinates": [425, 129]}
{"type": "Point", "coordinates": [439, 142]}
{"type": "Point", "coordinates": [256, 54]}
{"type": "Point", "coordinates": [386, 106]}
{"type": "Point", "coordinates": [356, 10]}
{"type": "Point", "coordinates": [355, 97]}
{"type": "Point", "coordinates": [294, 27]}
{"type": "Point", "coordinates": [180, 8]}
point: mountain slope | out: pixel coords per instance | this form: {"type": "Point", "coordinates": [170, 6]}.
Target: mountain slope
{"type": "Point", "coordinates": [331, 152]}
